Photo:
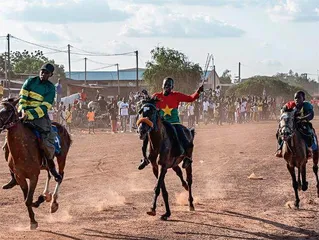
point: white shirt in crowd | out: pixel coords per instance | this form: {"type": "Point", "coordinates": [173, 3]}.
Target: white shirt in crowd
{"type": "Point", "coordinates": [124, 109]}
{"type": "Point", "coordinates": [243, 106]}
{"type": "Point", "coordinates": [191, 110]}
{"type": "Point", "coordinates": [205, 106]}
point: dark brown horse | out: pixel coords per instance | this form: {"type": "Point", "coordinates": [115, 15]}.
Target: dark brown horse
{"type": "Point", "coordinates": [295, 154]}
{"type": "Point", "coordinates": [25, 158]}
{"type": "Point", "coordinates": [161, 143]}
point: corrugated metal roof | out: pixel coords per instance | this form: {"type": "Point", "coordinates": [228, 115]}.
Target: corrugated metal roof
{"type": "Point", "coordinates": [126, 74]}
{"type": "Point", "coordinates": [129, 75]}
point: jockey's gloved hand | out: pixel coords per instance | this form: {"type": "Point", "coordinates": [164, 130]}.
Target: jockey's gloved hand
{"type": "Point", "coordinates": [200, 89]}
{"type": "Point", "coordinates": [23, 115]}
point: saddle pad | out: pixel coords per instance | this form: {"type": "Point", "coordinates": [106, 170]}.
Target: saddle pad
{"type": "Point", "coordinates": [57, 141]}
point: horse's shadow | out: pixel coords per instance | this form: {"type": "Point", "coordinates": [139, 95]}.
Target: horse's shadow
{"type": "Point", "coordinates": [108, 235]}
{"type": "Point", "coordinates": [100, 234]}
{"type": "Point", "coordinates": [307, 233]}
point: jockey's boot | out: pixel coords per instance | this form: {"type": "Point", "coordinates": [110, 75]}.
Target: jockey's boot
{"type": "Point", "coordinates": [186, 162]}
{"type": "Point", "coordinates": [143, 164]}
{"type": "Point", "coordinates": [53, 171]}
{"type": "Point", "coordinates": [11, 183]}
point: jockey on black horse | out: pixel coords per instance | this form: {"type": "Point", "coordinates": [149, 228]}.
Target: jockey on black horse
{"type": "Point", "coordinates": [168, 101]}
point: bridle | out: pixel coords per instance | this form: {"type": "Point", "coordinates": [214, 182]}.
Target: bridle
{"type": "Point", "coordinates": [7, 124]}
{"type": "Point", "coordinates": [151, 122]}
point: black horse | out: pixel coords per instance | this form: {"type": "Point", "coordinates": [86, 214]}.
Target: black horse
{"type": "Point", "coordinates": [162, 143]}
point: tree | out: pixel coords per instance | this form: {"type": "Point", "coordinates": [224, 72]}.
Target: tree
{"type": "Point", "coordinates": [30, 63]}
{"type": "Point", "coordinates": [169, 62]}
{"type": "Point", "coordinates": [226, 77]}
{"type": "Point", "coordinates": [255, 85]}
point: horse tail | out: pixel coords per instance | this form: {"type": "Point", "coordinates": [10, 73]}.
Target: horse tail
{"type": "Point", "coordinates": [63, 133]}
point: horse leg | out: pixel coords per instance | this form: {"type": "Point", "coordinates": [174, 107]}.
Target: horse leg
{"type": "Point", "coordinates": [179, 173]}
{"type": "Point", "coordinates": [152, 157]}
{"type": "Point", "coordinates": [315, 168]}
{"type": "Point", "coordinates": [165, 197]}
{"type": "Point", "coordinates": [28, 202]}
{"type": "Point", "coordinates": [304, 186]}
{"type": "Point", "coordinates": [46, 195]}
{"type": "Point", "coordinates": [189, 180]}
{"type": "Point", "coordinates": [157, 190]}
{"type": "Point", "coordinates": [291, 170]}
{"type": "Point", "coordinates": [54, 204]}
{"type": "Point", "coordinates": [299, 179]}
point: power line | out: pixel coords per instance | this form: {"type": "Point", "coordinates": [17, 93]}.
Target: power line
{"type": "Point", "coordinates": [87, 53]}
{"type": "Point", "coordinates": [38, 45]}
{"type": "Point", "coordinates": [111, 65]}
{"type": "Point", "coordinates": [98, 62]}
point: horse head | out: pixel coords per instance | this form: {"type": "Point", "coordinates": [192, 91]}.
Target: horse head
{"type": "Point", "coordinates": [287, 124]}
{"type": "Point", "coordinates": [8, 114]}
{"type": "Point", "coordinates": [148, 116]}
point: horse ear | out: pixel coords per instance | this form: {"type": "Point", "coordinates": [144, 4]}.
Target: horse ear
{"type": "Point", "coordinates": [15, 101]}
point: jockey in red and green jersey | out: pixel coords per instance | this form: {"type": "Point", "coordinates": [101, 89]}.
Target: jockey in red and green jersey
{"type": "Point", "coordinates": [168, 107]}
{"type": "Point", "coordinates": [304, 114]}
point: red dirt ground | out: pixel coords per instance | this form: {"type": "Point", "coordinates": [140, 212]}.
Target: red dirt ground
{"type": "Point", "coordinates": [104, 196]}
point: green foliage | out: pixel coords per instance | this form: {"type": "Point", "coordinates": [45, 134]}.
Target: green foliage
{"type": "Point", "coordinates": [226, 77]}
{"type": "Point", "coordinates": [169, 62]}
{"type": "Point", "coordinates": [255, 86]}
{"type": "Point", "coordinates": [30, 63]}
{"type": "Point", "coordinates": [299, 80]}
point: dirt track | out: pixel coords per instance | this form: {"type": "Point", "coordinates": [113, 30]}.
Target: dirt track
{"type": "Point", "coordinates": [104, 196]}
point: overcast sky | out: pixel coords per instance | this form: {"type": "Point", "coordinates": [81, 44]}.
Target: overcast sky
{"type": "Point", "coordinates": [266, 36]}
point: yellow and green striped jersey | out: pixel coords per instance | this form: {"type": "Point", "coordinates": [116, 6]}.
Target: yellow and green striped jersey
{"type": "Point", "coordinates": [36, 97]}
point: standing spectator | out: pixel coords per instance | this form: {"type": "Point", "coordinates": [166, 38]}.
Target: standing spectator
{"type": "Point", "coordinates": [191, 115]}
{"type": "Point", "coordinates": [1, 90]}
{"type": "Point", "coordinates": [63, 116]}
{"type": "Point", "coordinates": [68, 117]}
{"type": "Point", "coordinates": [91, 118]}
{"type": "Point", "coordinates": [205, 110]}
{"type": "Point", "coordinates": [197, 110]}
{"type": "Point", "coordinates": [83, 96]}
{"type": "Point", "coordinates": [181, 110]}
{"type": "Point", "coordinates": [60, 109]}
{"type": "Point", "coordinates": [123, 114]}
{"type": "Point", "coordinates": [132, 114]}
{"type": "Point", "coordinates": [217, 91]}
{"type": "Point", "coordinates": [58, 95]}
{"type": "Point", "coordinates": [113, 117]}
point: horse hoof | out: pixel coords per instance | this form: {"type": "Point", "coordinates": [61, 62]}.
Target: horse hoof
{"type": "Point", "coordinates": [33, 226]}
{"type": "Point", "coordinates": [151, 213]}
{"type": "Point", "coordinates": [54, 207]}
{"type": "Point", "coordinates": [48, 197]}
{"type": "Point", "coordinates": [191, 209]}
{"type": "Point", "coordinates": [185, 186]}
{"type": "Point", "coordinates": [165, 217]}
{"type": "Point", "coordinates": [35, 204]}
{"type": "Point", "coordinates": [305, 186]}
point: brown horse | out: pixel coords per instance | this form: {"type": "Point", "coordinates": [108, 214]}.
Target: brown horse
{"type": "Point", "coordinates": [25, 158]}
{"type": "Point", "coordinates": [295, 154]}
{"type": "Point", "coordinates": [161, 139]}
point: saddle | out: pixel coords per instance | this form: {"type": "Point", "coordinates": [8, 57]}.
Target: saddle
{"type": "Point", "coordinates": [57, 141]}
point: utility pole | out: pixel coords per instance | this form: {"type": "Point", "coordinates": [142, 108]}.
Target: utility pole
{"type": "Point", "coordinates": [214, 77]}
{"type": "Point", "coordinates": [136, 54]}
{"type": "Point", "coordinates": [8, 64]}
{"type": "Point", "coordinates": [239, 78]}
{"type": "Point", "coordinates": [118, 79]}
{"type": "Point", "coordinates": [69, 57]}
{"type": "Point", "coordinates": [85, 70]}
